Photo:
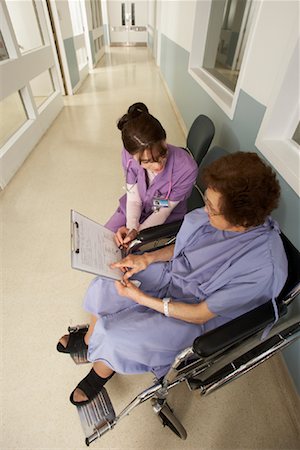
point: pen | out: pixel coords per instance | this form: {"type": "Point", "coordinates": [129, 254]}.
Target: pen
{"type": "Point", "coordinates": [121, 246]}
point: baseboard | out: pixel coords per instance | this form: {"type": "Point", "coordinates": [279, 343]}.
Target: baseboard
{"type": "Point", "coordinates": [174, 106]}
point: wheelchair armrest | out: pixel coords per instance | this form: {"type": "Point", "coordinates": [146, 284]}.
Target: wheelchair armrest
{"type": "Point", "coordinates": [151, 234]}
{"type": "Point", "coordinates": [236, 330]}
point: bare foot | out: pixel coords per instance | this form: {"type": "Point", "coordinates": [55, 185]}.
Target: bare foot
{"type": "Point", "coordinates": [65, 339]}
{"type": "Point", "coordinates": [79, 395]}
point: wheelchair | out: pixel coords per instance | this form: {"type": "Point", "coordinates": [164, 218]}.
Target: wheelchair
{"type": "Point", "coordinates": [215, 358]}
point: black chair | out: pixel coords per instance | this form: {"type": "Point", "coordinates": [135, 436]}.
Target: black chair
{"type": "Point", "coordinates": [199, 137]}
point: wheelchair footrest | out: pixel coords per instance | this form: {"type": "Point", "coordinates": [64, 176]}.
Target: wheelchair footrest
{"type": "Point", "coordinates": [97, 416]}
{"type": "Point", "coordinates": [80, 357]}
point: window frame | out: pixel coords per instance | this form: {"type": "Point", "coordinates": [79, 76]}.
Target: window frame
{"type": "Point", "coordinates": [274, 139]}
{"type": "Point", "coordinates": [219, 92]}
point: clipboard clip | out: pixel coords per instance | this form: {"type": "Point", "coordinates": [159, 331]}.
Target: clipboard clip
{"type": "Point", "coordinates": [75, 237]}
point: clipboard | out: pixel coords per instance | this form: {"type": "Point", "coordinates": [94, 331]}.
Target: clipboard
{"type": "Point", "coordinates": [93, 247]}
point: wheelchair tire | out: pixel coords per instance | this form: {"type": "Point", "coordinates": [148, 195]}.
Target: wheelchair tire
{"type": "Point", "coordinates": [168, 419]}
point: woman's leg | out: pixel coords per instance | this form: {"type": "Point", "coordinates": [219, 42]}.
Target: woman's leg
{"type": "Point", "coordinates": [104, 373]}
{"type": "Point", "coordinates": [65, 339]}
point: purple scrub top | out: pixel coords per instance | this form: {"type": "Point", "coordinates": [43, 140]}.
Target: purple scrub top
{"type": "Point", "coordinates": [175, 183]}
{"type": "Point", "coordinates": [233, 272]}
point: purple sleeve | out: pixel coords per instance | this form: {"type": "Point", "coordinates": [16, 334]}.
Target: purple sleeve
{"type": "Point", "coordinates": [184, 176]}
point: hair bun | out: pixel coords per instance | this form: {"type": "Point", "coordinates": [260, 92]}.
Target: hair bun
{"type": "Point", "coordinates": [136, 109]}
{"type": "Point", "coordinates": [133, 111]}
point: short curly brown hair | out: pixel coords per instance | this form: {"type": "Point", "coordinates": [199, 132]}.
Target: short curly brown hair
{"type": "Point", "coordinates": [249, 188]}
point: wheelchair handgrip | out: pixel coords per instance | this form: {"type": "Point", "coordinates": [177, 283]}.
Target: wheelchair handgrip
{"type": "Point", "coordinates": [236, 330]}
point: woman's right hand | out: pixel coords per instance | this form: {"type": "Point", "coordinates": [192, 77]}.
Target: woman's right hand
{"type": "Point", "coordinates": [124, 236]}
{"type": "Point", "coordinates": [132, 264]}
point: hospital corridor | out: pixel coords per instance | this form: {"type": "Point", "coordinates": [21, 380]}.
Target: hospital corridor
{"type": "Point", "coordinates": [75, 164]}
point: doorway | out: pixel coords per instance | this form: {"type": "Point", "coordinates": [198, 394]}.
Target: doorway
{"type": "Point", "coordinates": [128, 22]}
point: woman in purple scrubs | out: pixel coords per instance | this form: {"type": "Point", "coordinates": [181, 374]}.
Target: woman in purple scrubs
{"type": "Point", "coordinates": [228, 259]}
{"type": "Point", "coordinates": [159, 177]}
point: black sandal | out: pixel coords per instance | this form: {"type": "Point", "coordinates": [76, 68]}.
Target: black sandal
{"type": "Point", "coordinates": [91, 385]}
{"type": "Point", "coordinates": [76, 343]}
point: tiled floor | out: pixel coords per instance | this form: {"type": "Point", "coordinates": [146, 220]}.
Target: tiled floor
{"type": "Point", "coordinates": [77, 165]}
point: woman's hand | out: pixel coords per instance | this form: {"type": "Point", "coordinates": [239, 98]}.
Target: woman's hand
{"type": "Point", "coordinates": [123, 236]}
{"type": "Point", "coordinates": [128, 289]}
{"type": "Point", "coordinates": [132, 264]}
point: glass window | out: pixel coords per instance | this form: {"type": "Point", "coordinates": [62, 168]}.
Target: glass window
{"type": "Point", "coordinates": [3, 51]}
{"type": "Point", "coordinates": [227, 33]}
{"type": "Point", "coordinates": [99, 11]}
{"type": "Point", "coordinates": [13, 116]}
{"type": "Point", "coordinates": [42, 87]}
{"type": "Point", "coordinates": [76, 17]}
{"type": "Point", "coordinates": [96, 13]}
{"type": "Point", "coordinates": [296, 135]}
{"type": "Point", "coordinates": [26, 24]}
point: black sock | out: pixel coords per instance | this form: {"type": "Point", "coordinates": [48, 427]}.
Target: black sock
{"type": "Point", "coordinates": [96, 381]}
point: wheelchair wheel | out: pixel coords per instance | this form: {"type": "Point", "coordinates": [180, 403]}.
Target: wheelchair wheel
{"type": "Point", "coordinates": [168, 419]}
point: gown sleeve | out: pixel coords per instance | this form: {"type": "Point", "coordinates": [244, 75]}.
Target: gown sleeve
{"type": "Point", "coordinates": [243, 293]}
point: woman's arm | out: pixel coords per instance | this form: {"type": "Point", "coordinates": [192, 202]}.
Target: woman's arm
{"type": "Point", "coordinates": [132, 264]}
{"type": "Point", "coordinates": [126, 234]}
{"type": "Point", "coordinates": [133, 207]}
{"type": "Point", "coordinates": [158, 217]}
{"type": "Point", "coordinates": [196, 313]}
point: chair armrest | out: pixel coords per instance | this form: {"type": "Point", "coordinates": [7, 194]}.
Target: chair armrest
{"type": "Point", "coordinates": [236, 330]}
{"type": "Point", "coordinates": [153, 234]}
{"type": "Point", "coordinates": [159, 231]}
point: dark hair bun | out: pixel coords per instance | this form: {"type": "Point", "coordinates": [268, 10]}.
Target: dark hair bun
{"type": "Point", "coordinates": [137, 108]}
{"type": "Point", "coordinates": [133, 111]}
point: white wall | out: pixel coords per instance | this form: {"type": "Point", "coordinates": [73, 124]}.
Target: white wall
{"type": "Point", "coordinates": [151, 13]}
{"type": "Point", "coordinates": [177, 18]}
{"type": "Point", "coordinates": [276, 29]}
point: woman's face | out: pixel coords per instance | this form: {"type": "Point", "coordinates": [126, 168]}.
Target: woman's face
{"type": "Point", "coordinates": [213, 208]}
{"type": "Point", "coordinates": [146, 161]}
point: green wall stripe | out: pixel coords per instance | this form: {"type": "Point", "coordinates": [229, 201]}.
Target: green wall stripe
{"type": "Point", "coordinates": [92, 45]}
{"type": "Point", "coordinates": [72, 61]}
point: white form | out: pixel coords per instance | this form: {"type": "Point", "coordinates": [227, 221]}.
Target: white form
{"type": "Point", "coordinates": [93, 247]}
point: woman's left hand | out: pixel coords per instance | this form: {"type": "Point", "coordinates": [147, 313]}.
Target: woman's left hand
{"type": "Point", "coordinates": [128, 289]}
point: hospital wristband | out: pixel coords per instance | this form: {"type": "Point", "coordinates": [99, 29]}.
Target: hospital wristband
{"type": "Point", "coordinates": [166, 302]}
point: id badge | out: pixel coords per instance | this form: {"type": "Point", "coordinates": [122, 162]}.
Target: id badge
{"type": "Point", "coordinates": [160, 203]}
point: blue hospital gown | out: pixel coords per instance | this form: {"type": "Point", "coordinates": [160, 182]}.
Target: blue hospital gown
{"type": "Point", "coordinates": [234, 272]}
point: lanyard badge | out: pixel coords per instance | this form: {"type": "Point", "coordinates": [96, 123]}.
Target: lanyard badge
{"type": "Point", "coordinates": [159, 202]}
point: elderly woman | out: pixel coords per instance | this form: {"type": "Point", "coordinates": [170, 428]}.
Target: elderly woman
{"type": "Point", "coordinates": [228, 259]}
